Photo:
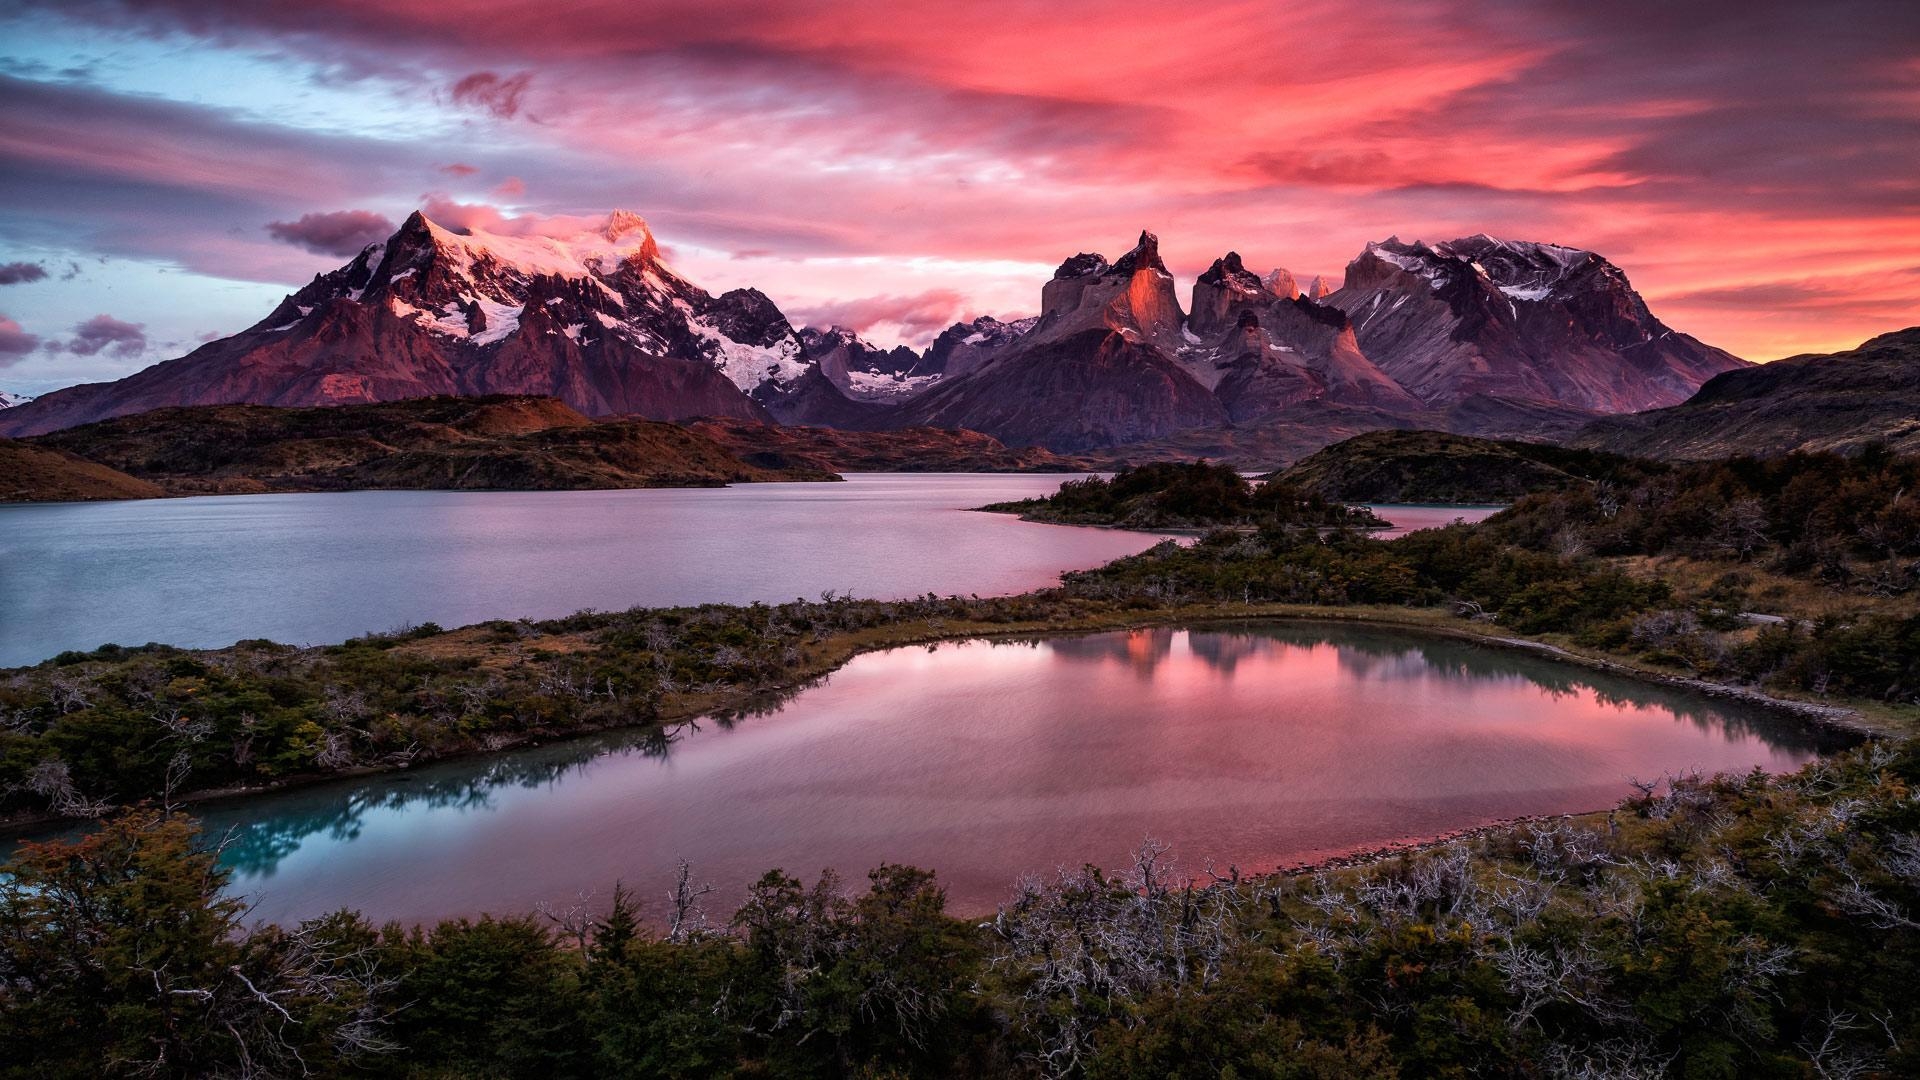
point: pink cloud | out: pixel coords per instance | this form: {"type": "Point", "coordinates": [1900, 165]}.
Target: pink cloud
{"type": "Point", "coordinates": [15, 342]}
{"type": "Point", "coordinates": [108, 334]}
{"type": "Point", "coordinates": [493, 93]}
{"type": "Point", "coordinates": [340, 232]}
{"type": "Point", "coordinates": [915, 317]}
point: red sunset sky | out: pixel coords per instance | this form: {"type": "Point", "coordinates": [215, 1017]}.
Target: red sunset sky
{"type": "Point", "coordinates": [175, 166]}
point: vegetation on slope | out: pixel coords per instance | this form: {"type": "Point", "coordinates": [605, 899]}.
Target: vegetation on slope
{"type": "Point", "coordinates": [1435, 467]}
{"type": "Point", "coordinates": [31, 473]}
{"type": "Point", "coordinates": [1728, 927]}
{"type": "Point", "coordinates": [918, 449]}
{"type": "Point", "coordinates": [1661, 573]}
{"type": "Point", "coordinates": [1840, 402]}
{"type": "Point", "coordinates": [1170, 495]}
{"type": "Point", "coordinates": [495, 443]}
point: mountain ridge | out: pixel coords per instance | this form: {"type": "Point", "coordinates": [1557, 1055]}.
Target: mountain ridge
{"type": "Point", "coordinates": [1842, 401]}
{"type": "Point", "coordinates": [1479, 335]}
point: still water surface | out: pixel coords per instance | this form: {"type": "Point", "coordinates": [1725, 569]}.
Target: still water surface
{"type": "Point", "coordinates": [1257, 745]}
{"type": "Point", "coordinates": [206, 572]}
{"type": "Point", "coordinates": [324, 567]}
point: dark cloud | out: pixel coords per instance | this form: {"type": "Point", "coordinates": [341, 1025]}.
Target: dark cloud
{"type": "Point", "coordinates": [104, 333]}
{"type": "Point", "coordinates": [917, 317]}
{"type": "Point", "coordinates": [336, 232]}
{"type": "Point", "coordinates": [14, 341]}
{"type": "Point", "coordinates": [18, 273]}
{"type": "Point", "coordinates": [497, 95]}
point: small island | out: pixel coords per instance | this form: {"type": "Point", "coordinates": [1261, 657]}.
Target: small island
{"type": "Point", "coordinates": [1187, 496]}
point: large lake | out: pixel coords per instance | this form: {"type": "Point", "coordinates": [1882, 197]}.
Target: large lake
{"type": "Point", "coordinates": [305, 569]}
{"type": "Point", "coordinates": [1257, 745]}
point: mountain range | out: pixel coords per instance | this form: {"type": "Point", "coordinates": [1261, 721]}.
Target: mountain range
{"type": "Point", "coordinates": [1477, 335]}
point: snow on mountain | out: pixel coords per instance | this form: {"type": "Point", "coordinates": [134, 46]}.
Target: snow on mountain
{"type": "Point", "coordinates": [596, 319]}
{"type": "Point", "coordinates": [8, 401]}
{"type": "Point", "coordinates": [1519, 321]}
{"type": "Point", "coordinates": [863, 371]}
{"type": "Point", "coordinates": [962, 347]}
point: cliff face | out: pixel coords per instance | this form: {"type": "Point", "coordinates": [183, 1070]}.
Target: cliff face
{"type": "Point", "coordinates": [1521, 321]}
{"type": "Point", "coordinates": [596, 320]}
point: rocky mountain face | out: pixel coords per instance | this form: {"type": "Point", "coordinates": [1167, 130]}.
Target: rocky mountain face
{"type": "Point", "coordinates": [1518, 321]}
{"type": "Point", "coordinates": [1099, 367]}
{"type": "Point", "coordinates": [1253, 352]}
{"type": "Point", "coordinates": [963, 347]}
{"type": "Point", "coordinates": [1270, 351]}
{"type": "Point", "coordinates": [597, 320]}
{"type": "Point", "coordinates": [1819, 402]}
{"type": "Point", "coordinates": [862, 371]}
{"type": "Point", "coordinates": [1476, 336]}
{"type": "Point", "coordinates": [8, 401]}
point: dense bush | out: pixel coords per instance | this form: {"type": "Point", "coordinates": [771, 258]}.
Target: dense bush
{"type": "Point", "coordinates": [1728, 927]}
{"type": "Point", "coordinates": [1847, 519]}
{"type": "Point", "coordinates": [1185, 495]}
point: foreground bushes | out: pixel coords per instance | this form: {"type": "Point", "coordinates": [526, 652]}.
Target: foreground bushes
{"type": "Point", "coordinates": [1726, 927]}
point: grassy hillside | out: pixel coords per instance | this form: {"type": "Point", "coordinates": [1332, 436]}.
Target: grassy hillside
{"type": "Point", "coordinates": [42, 474]}
{"type": "Point", "coordinates": [1435, 467]}
{"type": "Point", "coordinates": [493, 443]}
{"type": "Point", "coordinates": [1839, 402]}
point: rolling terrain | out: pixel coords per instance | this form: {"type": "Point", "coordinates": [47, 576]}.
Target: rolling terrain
{"type": "Point", "coordinates": [493, 443]}
{"type": "Point", "coordinates": [1437, 467]}
{"type": "Point", "coordinates": [1838, 401]}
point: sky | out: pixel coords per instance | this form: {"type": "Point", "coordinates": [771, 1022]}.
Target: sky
{"type": "Point", "coordinates": [170, 169]}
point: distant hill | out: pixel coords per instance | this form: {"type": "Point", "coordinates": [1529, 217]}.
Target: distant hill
{"type": "Point", "coordinates": [490, 443]}
{"type": "Point", "coordinates": [1838, 401]}
{"type": "Point", "coordinates": [41, 474]}
{"type": "Point", "coordinates": [901, 450]}
{"type": "Point", "coordinates": [1186, 495]}
{"type": "Point", "coordinates": [1436, 467]}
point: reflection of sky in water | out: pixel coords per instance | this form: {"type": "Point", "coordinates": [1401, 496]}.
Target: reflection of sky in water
{"type": "Point", "coordinates": [1251, 745]}
{"type": "Point", "coordinates": [312, 568]}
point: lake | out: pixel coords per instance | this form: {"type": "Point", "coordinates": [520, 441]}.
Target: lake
{"type": "Point", "coordinates": [206, 572]}
{"type": "Point", "coordinates": [1253, 744]}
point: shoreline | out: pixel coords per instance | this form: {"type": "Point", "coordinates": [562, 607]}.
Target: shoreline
{"type": "Point", "coordinates": [1843, 718]}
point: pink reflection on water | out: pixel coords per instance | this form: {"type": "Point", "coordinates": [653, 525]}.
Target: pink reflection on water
{"type": "Point", "coordinates": [985, 761]}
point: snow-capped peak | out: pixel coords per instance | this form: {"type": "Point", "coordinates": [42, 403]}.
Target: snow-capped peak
{"type": "Point", "coordinates": [599, 287]}
{"type": "Point", "coordinates": [588, 253]}
{"type": "Point", "coordinates": [8, 401]}
{"type": "Point", "coordinates": [1521, 269]}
